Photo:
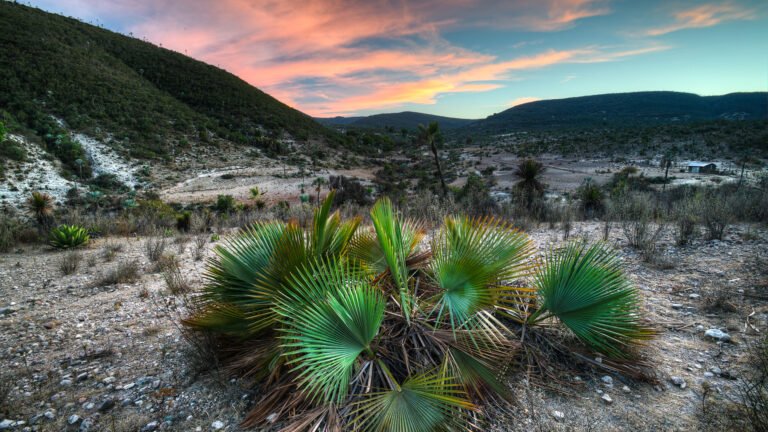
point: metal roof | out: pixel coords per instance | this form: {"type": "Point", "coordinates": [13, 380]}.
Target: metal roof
{"type": "Point", "coordinates": [700, 164]}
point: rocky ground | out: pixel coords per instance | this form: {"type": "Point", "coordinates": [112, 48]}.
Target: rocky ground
{"type": "Point", "coordinates": [78, 354]}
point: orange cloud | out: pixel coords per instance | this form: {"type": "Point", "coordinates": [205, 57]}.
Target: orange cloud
{"type": "Point", "coordinates": [707, 15]}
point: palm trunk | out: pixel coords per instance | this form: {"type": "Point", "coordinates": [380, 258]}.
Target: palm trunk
{"type": "Point", "coordinates": [439, 170]}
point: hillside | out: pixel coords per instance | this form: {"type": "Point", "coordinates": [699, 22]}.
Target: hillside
{"type": "Point", "coordinates": [148, 98]}
{"type": "Point", "coordinates": [625, 109]}
{"type": "Point", "coordinates": [403, 120]}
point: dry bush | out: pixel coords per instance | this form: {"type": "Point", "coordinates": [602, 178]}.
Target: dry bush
{"type": "Point", "coordinates": [201, 240]}
{"type": "Point", "coordinates": [110, 250]}
{"type": "Point", "coordinates": [70, 262]}
{"type": "Point", "coordinates": [154, 247]}
{"type": "Point", "coordinates": [181, 242]}
{"type": "Point", "coordinates": [124, 272]}
{"type": "Point", "coordinates": [9, 227]}
{"type": "Point", "coordinates": [175, 280]}
{"type": "Point", "coordinates": [165, 262]}
{"type": "Point", "coordinates": [719, 299]}
{"type": "Point", "coordinates": [636, 214]}
{"type": "Point", "coordinates": [716, 215]}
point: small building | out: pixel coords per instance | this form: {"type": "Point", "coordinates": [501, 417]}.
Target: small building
{"type": "Point", "coordinates": [702, 167]}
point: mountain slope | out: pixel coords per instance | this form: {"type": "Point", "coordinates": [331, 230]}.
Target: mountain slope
{"type": "Point", "coordinates": [626, 109]}
{"type": "Point", "coordinates": [403, 120]}
{"type": "Point", "coordinates": [149, 97]}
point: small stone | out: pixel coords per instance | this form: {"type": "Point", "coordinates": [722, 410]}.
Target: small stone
{"type": "Point", "coordinates": [109, 380]}
{"type": "Point", "coordinates": [677, 306]}
{"type": "Point", "coordinates": [129, 386]}
{"type": "Point", "coordinates": [607, 380]}
{"type": "Point", "coordinates": [7, 424]}
{"type": "Point", "coordinates": [86, 425]}
{"type": "Point", "coordinates": [717, 334]}
{"type": "Point", "coordinates": [49, 415]}
{"type": "Point", "coordinates": [107, 405]}
{"type": "Point", "coordinates": [217, 425]}
{"type": "Point", "coordinates": [89, 406]}
{"type": "Point", "coordinates": [83, 376]}
{"type": "Point", "coordinates": [74, 419]}
{"type": "Point", "coordinates": [607, 399]}
{"type": "Point", "coordinates": [558, 415]}
{"type": "Point", "coordinates": [626, 389]}
{"type": "Point", "coordinates": [6, 311]}
{"type": "Point", "coordinates": [708, 375]}
{"type": "Point", "coordinates": [715, 370]}
{"type": "Point", "coordinates": [66, 382]}
{"type": "Point", "coordinates": [272, 418]}
{"type": "Point", "coordinates": [694, 296]}
{"type": "Point", "coordinates": [149, 427]}
{"type": "Point", "coordinates": [678, 382]}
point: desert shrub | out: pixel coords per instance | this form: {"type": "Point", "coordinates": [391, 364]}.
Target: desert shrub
{"type": "Point", "coordinates": [174, 279]}
{"type": "Point", "coordinates": [70, 262]}
{"type": "Point", "coordinates": [11, 150]}
{"type": "Point", "coordinates": [9, 228]}
{"type": "Point", "coordinates": [68, 236]}
{"type": "Point", "coordinates": [364, 330]}
{"type": "Point", "coordinates": [40, 205]}
{"type": "Point", "coordinates": [685, 216]}
{"type": "Point", "coordinates": [636, 215]}
{"type": "Point", "coordinates": [201, 240]}
{"type": "Point", "coordinates": [184, 221]}
{"type": "Point", "coordinates": [110, 250]}
{"type": "Point", "coordinates": [224, 203]}
{"type": "Point", "coordinates": [591, 198]}
{"type": "Point", "coordinates": [123, 272]}
{"type": "Point", "coordinates": [154, 247]}
{"type": "Point", "coordinates": [716, 215]}
{"type": "Point", "coordinates": [474, 198]}
{"type": "Point", "coordinates": [349, 190]}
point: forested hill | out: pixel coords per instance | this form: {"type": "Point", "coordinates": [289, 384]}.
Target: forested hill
{"type": "Point", "coordinates": [146, 96]}
{"type": "Point", "coordinates": [403, 120]}
{"type": "Point", "coordinates": [626, 109]}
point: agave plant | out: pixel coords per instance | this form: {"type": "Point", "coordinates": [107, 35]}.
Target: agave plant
{"type": "Point", "coordinates": [350, 328]}
{"type": "Point", "coordinates": [68, 237]}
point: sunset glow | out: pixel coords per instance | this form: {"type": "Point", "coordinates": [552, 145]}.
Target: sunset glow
{"type": "Point", "coordinates": [342, 57]}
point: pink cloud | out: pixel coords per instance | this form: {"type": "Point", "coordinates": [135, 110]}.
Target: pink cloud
{"type": "Point", "coordinates": [706, 15]}
{"type": "Point", "coordinates": [523, 100]}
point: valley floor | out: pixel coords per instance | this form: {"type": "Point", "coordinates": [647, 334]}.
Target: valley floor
{"type": "Point", "coordinates": [77, 355]}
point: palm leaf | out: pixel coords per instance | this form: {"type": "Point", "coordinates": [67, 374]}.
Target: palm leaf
{"type": "Point", "coordinates": [585, 288]}
{"type": "Point", "coordinates": [330, 317]}
{"type": "Point", "coordinates": [330, 236]}
{"type": "Point", "coordinates": [425, 402]}
{"type": "Point", "coordinates": [388, 252]}
{"type": "Point", "coordinates": [471, 259]}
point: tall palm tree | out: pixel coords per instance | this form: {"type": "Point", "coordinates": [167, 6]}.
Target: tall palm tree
{"type": "Point", "coordinates": [369, 330]}
{"type": "Point", "coordinates": [40, 205]}
{"type": "Point", "coordinates": [529, 174]}
{"type": "Point", "coordinates": [429, 135]}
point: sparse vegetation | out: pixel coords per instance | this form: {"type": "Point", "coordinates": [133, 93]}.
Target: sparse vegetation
{"type": "Point", "coordinates": [123, 272]}
{"type": "Point", "coordinates": [70, 262]}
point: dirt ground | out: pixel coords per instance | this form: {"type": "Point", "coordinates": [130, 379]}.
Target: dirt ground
{"type": "Point", "coordinates": [79, 355]}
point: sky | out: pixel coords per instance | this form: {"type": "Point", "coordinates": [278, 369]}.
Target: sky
{"type": "Point", "coordinates": [457, 58]}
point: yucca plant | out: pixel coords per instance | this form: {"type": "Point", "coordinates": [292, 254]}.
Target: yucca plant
{"type": "Point", "coordinates": [68, 237]}
{"type": "Point", "coordinates": [371, 330]}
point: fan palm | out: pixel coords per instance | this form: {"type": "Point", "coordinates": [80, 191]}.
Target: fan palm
{"type": "Point", "coordinates": [529, 174]}
{"type": "Point", "coordinates": [365, 330]}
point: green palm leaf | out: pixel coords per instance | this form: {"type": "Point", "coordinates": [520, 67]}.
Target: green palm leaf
{"type": "Point", "coordinates": [330, 316]}
{"type": "Point", "coordinates": [425, 402]}
{"type": "Point", "coordinates": [330, 236]}
{"type": "Point", "coordinates": [585, 288]}
{"type": "Point", "coordinates": [395, 241]}
{"type": "Point", "coordinates": [471, 259]}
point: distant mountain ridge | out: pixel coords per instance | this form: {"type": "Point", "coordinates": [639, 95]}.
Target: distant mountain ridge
{"type": "Point", "coordinates": [625, 109]}
{"type": "Point", "coordinates": [403, 120]}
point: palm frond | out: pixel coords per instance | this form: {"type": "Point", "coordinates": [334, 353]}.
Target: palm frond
{"type": "Point", "coordinates": [471, 260]}
{"type": "Point", "coordinates": [395, 241]}
{"type": "Point", "coordinates": [330, 236]}
{"type": "Point", "coordinates": [424, 402]}
{"type": "Point", "coordinates": [329, 317]}
{"type": "Point", "coordinates": [585, 288]}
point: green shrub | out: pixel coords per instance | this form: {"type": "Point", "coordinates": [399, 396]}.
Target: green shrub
{"type": "Point", "coordinates": [68, 237]}
{"type": "Point", "coordinates": [225, 203]}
